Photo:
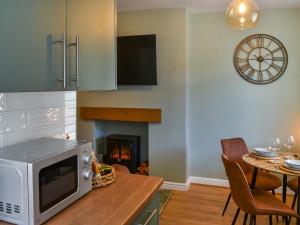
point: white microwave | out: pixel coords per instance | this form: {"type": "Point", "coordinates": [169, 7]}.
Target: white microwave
{"type": "Point", "coordinates": [40, 178]}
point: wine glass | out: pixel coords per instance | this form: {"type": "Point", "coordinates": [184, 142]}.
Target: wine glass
{"type": "Point", "coordinates": [275, 144]}
{"type": "Point", "coordinates": [290, 142]}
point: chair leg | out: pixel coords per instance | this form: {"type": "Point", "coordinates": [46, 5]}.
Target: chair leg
{"type": "Point", "coordinates": [273, 192]}
{"type": "Point", "coordinates": [245, 219]}
{"type": "Point", "coordinates": [294, 200]}
{"type": "Point", "coordinates": [252, 221]}
{"type": "Point", "coordinates": [235, 216]}
{"type": "Point", "coordinates": [287, 220]}
{"type": "Point", "coordinates": [226, 204]}
{"type": "Point", "coordinates": [270, 220]}
{"type": "Point", "coordinates": [293, 206]}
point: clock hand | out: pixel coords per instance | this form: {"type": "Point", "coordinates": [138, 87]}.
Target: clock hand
{"type": "Point", "coordinates": [259, 52]}
{"type": "Point", "coordinates": [253, 58]}
{"type": "Point", "coordinates": [260, 66]}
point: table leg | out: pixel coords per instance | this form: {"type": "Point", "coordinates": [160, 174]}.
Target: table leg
{"type": "Point", "coordinates": [298, 202]}
{"type": "Point", "coordinates": [284, 184]}
{"type": "Point", "coordinates": [252, 185]}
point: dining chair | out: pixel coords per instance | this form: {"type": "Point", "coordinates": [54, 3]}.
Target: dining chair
{"type": "Point", "coordinates": [293, 185]}
{"type": "Point", "coordinates": [234, 149]}
{"type": "Point", "coordinates": [253, 202]}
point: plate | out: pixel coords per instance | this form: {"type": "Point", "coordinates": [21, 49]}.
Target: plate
{"type": "Point", "coordinates": [288, 169]}
{"type": "Point", "coordinates": [293, 163]}
{"type": "Point", "coordinates": [264, 152]}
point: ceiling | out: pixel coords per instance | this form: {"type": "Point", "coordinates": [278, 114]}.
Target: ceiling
{"type": "Point", "coordinates": [199, 5]}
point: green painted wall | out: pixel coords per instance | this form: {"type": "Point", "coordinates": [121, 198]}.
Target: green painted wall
{"type": "Point", "coordinates": [223, 105]}
{"type": "Point", "coordinates": [202, 97]}
{"type": "Point", "coordinates": [167, 141]}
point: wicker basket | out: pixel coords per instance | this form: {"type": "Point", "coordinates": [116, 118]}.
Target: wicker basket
{"type": "Point", "coordinates": [102, 181]}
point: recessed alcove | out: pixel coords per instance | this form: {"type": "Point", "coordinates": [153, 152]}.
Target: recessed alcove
{"type": "Point", "coordinates": [121, 121]}
{"type": "Point", "coordinates": [102, 129]}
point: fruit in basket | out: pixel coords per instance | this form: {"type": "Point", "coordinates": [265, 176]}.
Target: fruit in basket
{"type": "Point", "coordinates": [104, 169]}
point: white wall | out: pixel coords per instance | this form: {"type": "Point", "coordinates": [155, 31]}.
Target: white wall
{"type": "Point", "coordinates": [27, 116]}
{"type": "Point", "coordinates": [167, 141]}
{"type": "Point", "coordinates": [223, 105]}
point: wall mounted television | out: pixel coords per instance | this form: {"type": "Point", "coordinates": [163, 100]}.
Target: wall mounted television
{"type": "Point", "coordinates": [136, 61]}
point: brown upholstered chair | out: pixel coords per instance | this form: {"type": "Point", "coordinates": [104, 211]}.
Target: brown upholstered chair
{"type": "Point", "coordinates": [293, 185]}
{"type": "Point", "coordinates": [253, 202]}
{"type": "Point", "coordinates": [234, 149]}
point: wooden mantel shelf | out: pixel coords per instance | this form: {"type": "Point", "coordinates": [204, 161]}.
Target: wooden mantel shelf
{"type": "Point", "coordinates": [121, 114]}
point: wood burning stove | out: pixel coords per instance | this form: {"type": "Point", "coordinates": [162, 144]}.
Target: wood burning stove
{"type": "Point", "coordinates": [124, 150]}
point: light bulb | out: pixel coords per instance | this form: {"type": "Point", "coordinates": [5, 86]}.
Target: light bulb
{"type": "Point", "coordinates": [242, 14]}
{"type": "Point", "coordinates": [242, 8]}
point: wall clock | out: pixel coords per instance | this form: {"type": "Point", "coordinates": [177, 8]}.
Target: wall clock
{"type": "Point", "coordinates": [260, 59]}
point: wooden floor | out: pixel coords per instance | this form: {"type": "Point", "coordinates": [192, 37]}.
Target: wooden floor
{"type": "Point", "coordinates": [202, 205]}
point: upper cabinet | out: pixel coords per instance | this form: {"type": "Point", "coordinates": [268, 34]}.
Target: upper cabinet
{"type": "Point", "coordinates": [29, 58]}
{"type": "Point", "coordinates": [91, 27]}
{"type": "Point", "coordinates": [55, 45]}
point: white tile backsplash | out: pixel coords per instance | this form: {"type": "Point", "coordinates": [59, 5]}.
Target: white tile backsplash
{"type": "Point", "coordinates": [27, 116]}
{"type": "Point", "coordinates": [27, 100]}
{"type": "Point", "coordinates": [25, 135]}
{"type": "Point", "coordinates": [55, 99]}
{"type": "Point", "coordinates": [69, 96]}
{"type": "Point", "coordinates": [69, 112]}
{"type": "Point", "coordinates": [2, 102]}
{"type": "Point", "coordinates": [1, 141]}
{"type": "Point", "coordinates": [69, 120]}
{"type": "Point", "coordinates": [14, 121]}
{"type": "Point", "coordinates": [42, 117]}
{"type": "Point", "coordinates": [1, 124]}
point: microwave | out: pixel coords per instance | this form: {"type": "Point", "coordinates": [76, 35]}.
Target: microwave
{"type": "Point", "coordinates": [40, 178]}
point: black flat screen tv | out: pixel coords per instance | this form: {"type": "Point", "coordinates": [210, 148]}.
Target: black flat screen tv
{"type": "Point", "coordinates": [137, 60]}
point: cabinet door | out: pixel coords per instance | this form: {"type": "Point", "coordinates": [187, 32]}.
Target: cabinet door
{"type": "Point", "coordinates": [150, 213]}
{"type": "Point", "coordinates": [31, 48]}
{"type": "Point", "coordinates": [94, 22]}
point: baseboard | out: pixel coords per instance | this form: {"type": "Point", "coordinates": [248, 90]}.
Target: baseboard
{"type": "Point", "coordinates": [288, 191]}
{"type": "Point", "coordinates": [208, 181]}
{"type": "Point", "coordinates": [194, 180]}
{"type": "Point", "coordinates": [176, 186]}
{"type": "Point", "coordinates": [223, 183]}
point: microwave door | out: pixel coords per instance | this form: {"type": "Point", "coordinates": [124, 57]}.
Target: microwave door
{"type": "Point", "coordinates": [57, 182]}
{"type": "Point", "coordinates": [55, 185]}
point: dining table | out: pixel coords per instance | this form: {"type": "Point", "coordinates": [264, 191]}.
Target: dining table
{"type": "Point", "coordinates": [275, 165]}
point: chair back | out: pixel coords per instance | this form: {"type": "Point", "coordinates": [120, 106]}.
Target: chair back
{"type": "Point", "coordinates": [239, 187]}
{"type": "Point", "coordinates": [234, 149]}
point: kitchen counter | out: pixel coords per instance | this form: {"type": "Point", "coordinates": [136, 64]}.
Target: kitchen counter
{"type": "Point", "coordinates": [116, 204]}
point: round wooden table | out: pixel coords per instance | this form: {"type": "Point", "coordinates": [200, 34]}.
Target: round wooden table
{"type": "Point", "coordinates": [269, 164]}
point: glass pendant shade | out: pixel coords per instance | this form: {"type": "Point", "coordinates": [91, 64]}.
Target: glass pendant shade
{"type": "Point", "coordinates": [242, 14]}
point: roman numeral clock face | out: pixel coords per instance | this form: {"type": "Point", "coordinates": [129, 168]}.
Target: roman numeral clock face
{"type": "Point", "coordinates": [260, 59]}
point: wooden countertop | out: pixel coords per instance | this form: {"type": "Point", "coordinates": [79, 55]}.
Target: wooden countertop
{"type": "Point", "coordinates": [116, 204]}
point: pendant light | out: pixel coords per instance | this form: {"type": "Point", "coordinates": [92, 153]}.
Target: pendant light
{"type": "Point", "coordinates": [242, 14]}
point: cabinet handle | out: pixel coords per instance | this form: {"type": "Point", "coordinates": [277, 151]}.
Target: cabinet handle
{"type": "Point", "coordinates": [63, 40]}
{"type": "Point", "coordinates": [64, 59]}
{"type": "Point", "coordinates": [150, 217]}
{"type": "Point", "coordinates": [76, 43]}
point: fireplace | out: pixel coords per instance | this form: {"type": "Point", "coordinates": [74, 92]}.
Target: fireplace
{"type": "Point", "coordinates": [124, 150]}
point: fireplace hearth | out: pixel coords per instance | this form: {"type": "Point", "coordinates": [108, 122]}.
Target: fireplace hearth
{"type": "Point", "coordinates": [124, 150]}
